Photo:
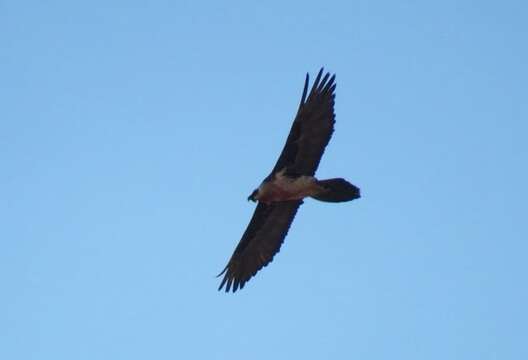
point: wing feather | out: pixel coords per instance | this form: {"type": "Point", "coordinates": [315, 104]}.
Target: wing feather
{"type": "Point", "coordinates": [260, 242]}
{"type": "Point", "coordinates": [312, 128]}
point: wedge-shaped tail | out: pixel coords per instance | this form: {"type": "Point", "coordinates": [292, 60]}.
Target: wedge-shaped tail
{"type": "Point", "coordinates": [336, 190]}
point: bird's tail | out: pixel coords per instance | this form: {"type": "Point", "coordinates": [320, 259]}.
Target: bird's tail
{"type": "Point", "coordinates": [336, 190]}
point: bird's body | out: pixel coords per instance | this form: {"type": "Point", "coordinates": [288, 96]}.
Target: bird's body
{"type": "Point", "coordinates": [291, 180]}
{"type": "Point", "coordinates": [285, 188]}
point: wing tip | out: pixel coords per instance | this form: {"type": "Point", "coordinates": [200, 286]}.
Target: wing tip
{"type": "Point", "coordinates": [317, 80]}
{"type": "Point", "coordinates": [323, 84]}
{"type": "Point", "coordinates": [231, 284]}
{"type": "Point", "coordinates": [223, 272]}
{"type": "Point", "coordinates": [305, 90]}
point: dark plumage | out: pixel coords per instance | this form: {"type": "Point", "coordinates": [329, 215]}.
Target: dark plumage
{"type": "Point", "coordinates": [292, 178]}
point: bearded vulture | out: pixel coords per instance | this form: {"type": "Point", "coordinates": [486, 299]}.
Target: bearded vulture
{"type": "Point", "coordinates": [291, 180]}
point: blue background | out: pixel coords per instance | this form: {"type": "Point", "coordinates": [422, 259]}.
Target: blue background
{"type": "Point", "coordinates": [132, 132]}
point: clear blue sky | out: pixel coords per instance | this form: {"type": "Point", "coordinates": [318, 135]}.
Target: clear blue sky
{"type": "Point", "coordinates": [132, 132]}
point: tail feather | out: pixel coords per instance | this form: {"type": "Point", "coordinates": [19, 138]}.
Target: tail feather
{"type": "Point", "coordinates": [336, 190]}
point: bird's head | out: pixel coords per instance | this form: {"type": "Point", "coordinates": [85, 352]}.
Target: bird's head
{"type": "Point", "coordinates": [253, 196]}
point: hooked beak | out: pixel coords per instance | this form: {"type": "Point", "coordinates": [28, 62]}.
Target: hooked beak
{"type": "Point", "coordinates": [252, 196]}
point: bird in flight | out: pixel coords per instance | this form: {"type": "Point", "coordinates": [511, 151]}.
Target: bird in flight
{"type": "Point", "coordinates": [291, 180]}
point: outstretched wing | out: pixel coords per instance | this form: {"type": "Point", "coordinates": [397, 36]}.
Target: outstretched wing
{"type": "Point", "coordinates": [261, 241]}
{"type": "Point", "coordinates": [312, 128]}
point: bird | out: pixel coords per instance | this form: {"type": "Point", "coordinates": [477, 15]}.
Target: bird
{"type": "Point", "coordinates": [292, 179]}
